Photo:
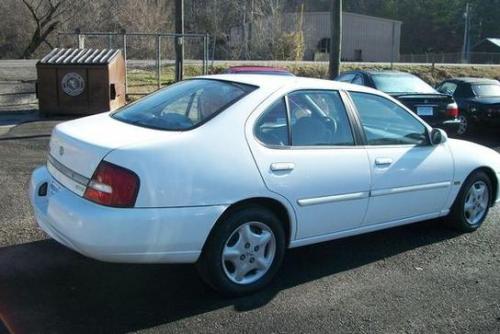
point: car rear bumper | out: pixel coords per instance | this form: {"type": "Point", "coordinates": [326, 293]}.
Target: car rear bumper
{"type": "Point", "coordinates": [137, 235]}
{"type": "Point", "coordinates": [450, 125]}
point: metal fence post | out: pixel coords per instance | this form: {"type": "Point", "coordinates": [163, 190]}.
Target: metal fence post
{"type": "Point", "coordinates": [124, 42]}
{"type": "Point", "coordinates": [393, 42]}
{"type": "Point", "coordinates": [80, 39]}
{"type": "Point", "coordinates": [206, 53]}
{"type": "Point", "coordinates": [158, 60]}
{"type": "Point", "coordinates": [110, 41]}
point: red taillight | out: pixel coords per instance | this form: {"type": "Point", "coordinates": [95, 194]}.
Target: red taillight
{"type": "Point", "coordinates": [112, 185]}
{"type": "Point", "coordinates": [452, 110]}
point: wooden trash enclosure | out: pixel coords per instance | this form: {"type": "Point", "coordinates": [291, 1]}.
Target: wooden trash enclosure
{"type": "Point", "coordinates": [80, 81]}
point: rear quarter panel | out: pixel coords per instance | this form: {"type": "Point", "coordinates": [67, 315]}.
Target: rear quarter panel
{"type": "Point", "coordinates": [209, 165]}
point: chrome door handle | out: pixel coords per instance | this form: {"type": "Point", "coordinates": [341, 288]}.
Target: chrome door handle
{"type": "Point", "coordinates": [383, 162]}
{"type": "Point", "coordinates": [282, 166]}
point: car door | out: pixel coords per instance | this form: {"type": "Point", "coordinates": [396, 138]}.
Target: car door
{"type": "Point", "coordinates": [306, 151]}
{"type": "Point", "coordinates": [411, 179]}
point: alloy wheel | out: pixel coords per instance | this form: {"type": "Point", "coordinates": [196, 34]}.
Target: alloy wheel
{"type": "Point", "coordinates": [476, 202]}
{"type": "Point", "coordinates": [248, 253]}
{"type": "Point", "coordinates": [462, 127]}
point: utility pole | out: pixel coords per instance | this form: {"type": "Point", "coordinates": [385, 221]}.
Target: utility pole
{"type": "Point", "coordinates": [335, 38]}
{"type": "Point", "coordinates": [466, 45]}
{"type": "Point", "coordinates": [179, 40]}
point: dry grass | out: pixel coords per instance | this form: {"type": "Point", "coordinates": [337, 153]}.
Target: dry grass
{"type": "Point", "coordinates": [143, 81]}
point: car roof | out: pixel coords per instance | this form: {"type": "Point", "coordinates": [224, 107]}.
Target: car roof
{"type": "Point", "coordinates": [471, 80]}
{"type": "Point", "coordinates": [388, 72]}
{"type": "Point", "coordinates": [274, 82]}
{"type": "Point", "coordinates": [372, 72]}
{"type": "Point", "coordinates": [249, 68]}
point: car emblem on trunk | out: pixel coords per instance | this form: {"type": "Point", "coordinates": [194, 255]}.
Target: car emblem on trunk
{"type": "Point", "coordinates": [61, 150]}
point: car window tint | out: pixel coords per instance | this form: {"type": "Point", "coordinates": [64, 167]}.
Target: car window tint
{"type": "Point", "coordinates": [386, 123]}
{"type": "Point", "coordinates": [272, 126]}
{"type": "Point", "coordinates": [184, 105]}
{"type": "Point", "coordinates": [318, 118]}
{"type": "Point", "coordinates": [346, 77]}
{"type": "Point", "coordinates": [447, 88]}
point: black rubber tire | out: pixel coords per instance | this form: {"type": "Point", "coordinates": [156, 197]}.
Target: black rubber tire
{"type": "Point", "coordinates": [210, 265]}
{"type": "Point", "coordinates": [456, 217]}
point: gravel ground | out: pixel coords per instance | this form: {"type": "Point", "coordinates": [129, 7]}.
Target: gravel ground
{"type": "Point", "coordinates": [413, 279]}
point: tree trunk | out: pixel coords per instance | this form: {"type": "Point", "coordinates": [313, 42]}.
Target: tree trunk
{"type": "Point", "coordinates": [335, 38]}
{"type": "Point", "coordinates": [37, 39]}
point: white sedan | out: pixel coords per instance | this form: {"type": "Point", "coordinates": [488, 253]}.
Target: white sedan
{"type": "Point", "coordinates": [230, 170]}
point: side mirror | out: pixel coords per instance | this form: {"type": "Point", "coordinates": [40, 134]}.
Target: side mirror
{"type": "Point", "coordinates": [438, 136]}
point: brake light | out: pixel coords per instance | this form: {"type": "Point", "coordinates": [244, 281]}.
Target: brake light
{"type": "Point", "coordinates": [112, 185]}
{"type": "Point", "coordinates": [452, 110]}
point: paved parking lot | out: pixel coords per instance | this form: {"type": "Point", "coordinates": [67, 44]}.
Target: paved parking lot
{"type": "Point", "coordinates": [418, 278]}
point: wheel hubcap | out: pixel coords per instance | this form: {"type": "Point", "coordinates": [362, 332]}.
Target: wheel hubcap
{"type": "Point", "coordinates": [462, 127]}
{"type": "Point", "coordinates": [476, 202]}
{"type": "Point", "coordinates": [248, 253]}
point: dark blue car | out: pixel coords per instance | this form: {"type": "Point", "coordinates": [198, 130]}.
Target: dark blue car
{"type": "Point", "coordinates": [437, 109]}
{"type": "Point", "coordinates": [478, 100]}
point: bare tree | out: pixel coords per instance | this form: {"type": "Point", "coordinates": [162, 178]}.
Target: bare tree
{"type": "Point", "coordinates": [47, 15]}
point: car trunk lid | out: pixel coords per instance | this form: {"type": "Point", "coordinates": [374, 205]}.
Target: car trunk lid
{"type": "Point", "coordinates": [427, 106]}
{"type": "Point", "coordinates": [77, 147]}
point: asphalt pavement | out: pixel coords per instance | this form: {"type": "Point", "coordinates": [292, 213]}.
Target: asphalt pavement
{"type": "Point", "coordinates": [414, 279]}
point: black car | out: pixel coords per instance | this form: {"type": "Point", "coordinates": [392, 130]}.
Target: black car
{"type": "Point", "coordinates": [437, 109]}
{"type": "Point", "coordinates": [478, 100]}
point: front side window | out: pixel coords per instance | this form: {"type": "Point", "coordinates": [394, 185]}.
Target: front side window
{"type": "Point", "coordinates": [184, 105]}
{"type": "Point", "coordinates": [386, 123]}
{"type": "Point", "coordinates": [318, 118]}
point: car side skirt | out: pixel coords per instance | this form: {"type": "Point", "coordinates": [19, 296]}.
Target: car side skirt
{"type": "Point", "coordinates": [365, 229]}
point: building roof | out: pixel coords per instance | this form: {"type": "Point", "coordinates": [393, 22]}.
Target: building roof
{"type": "Point", "coordinates": [491, 40]}
{"type": "Point", "coordinates": [80, 56]}
{"type": "Point", "coordinates": [495, 41]}
{"type": "Point", "coordinates": [346, 14]}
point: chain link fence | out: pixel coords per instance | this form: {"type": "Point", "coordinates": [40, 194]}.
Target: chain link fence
{"type": "Point", "coordinates": [452, 58]}
{"type": "Point", "coordinates": [149, 57]}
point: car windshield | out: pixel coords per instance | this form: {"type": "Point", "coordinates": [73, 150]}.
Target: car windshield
{"type": "Point", "coordinates": [184, 105]}
{"type": "Point", "coordinates": [486, 90]}
{"type": "Point", "coordinates": [401, 83]}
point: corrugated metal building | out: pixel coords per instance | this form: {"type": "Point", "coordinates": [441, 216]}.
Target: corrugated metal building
{"type": "Point", "coordinates": [365, 38]}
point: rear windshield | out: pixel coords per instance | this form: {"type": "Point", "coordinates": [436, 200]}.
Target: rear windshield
{"type": "Point", "coordinates": [486, 90]}
{"type": "Point", "coordinates": [401, 83]}
{"type": "Point", "coordinates": [184, 105]}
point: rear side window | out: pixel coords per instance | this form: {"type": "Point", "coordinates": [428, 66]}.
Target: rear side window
{"type": "Point", "coordinates": [358, 80]}
{"type": "Point", "coordinates": [184, 105]}
{"type": "Point", "coordinates": [386, 123]}
{"type": "Point", "coordinates": [272, 126]}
